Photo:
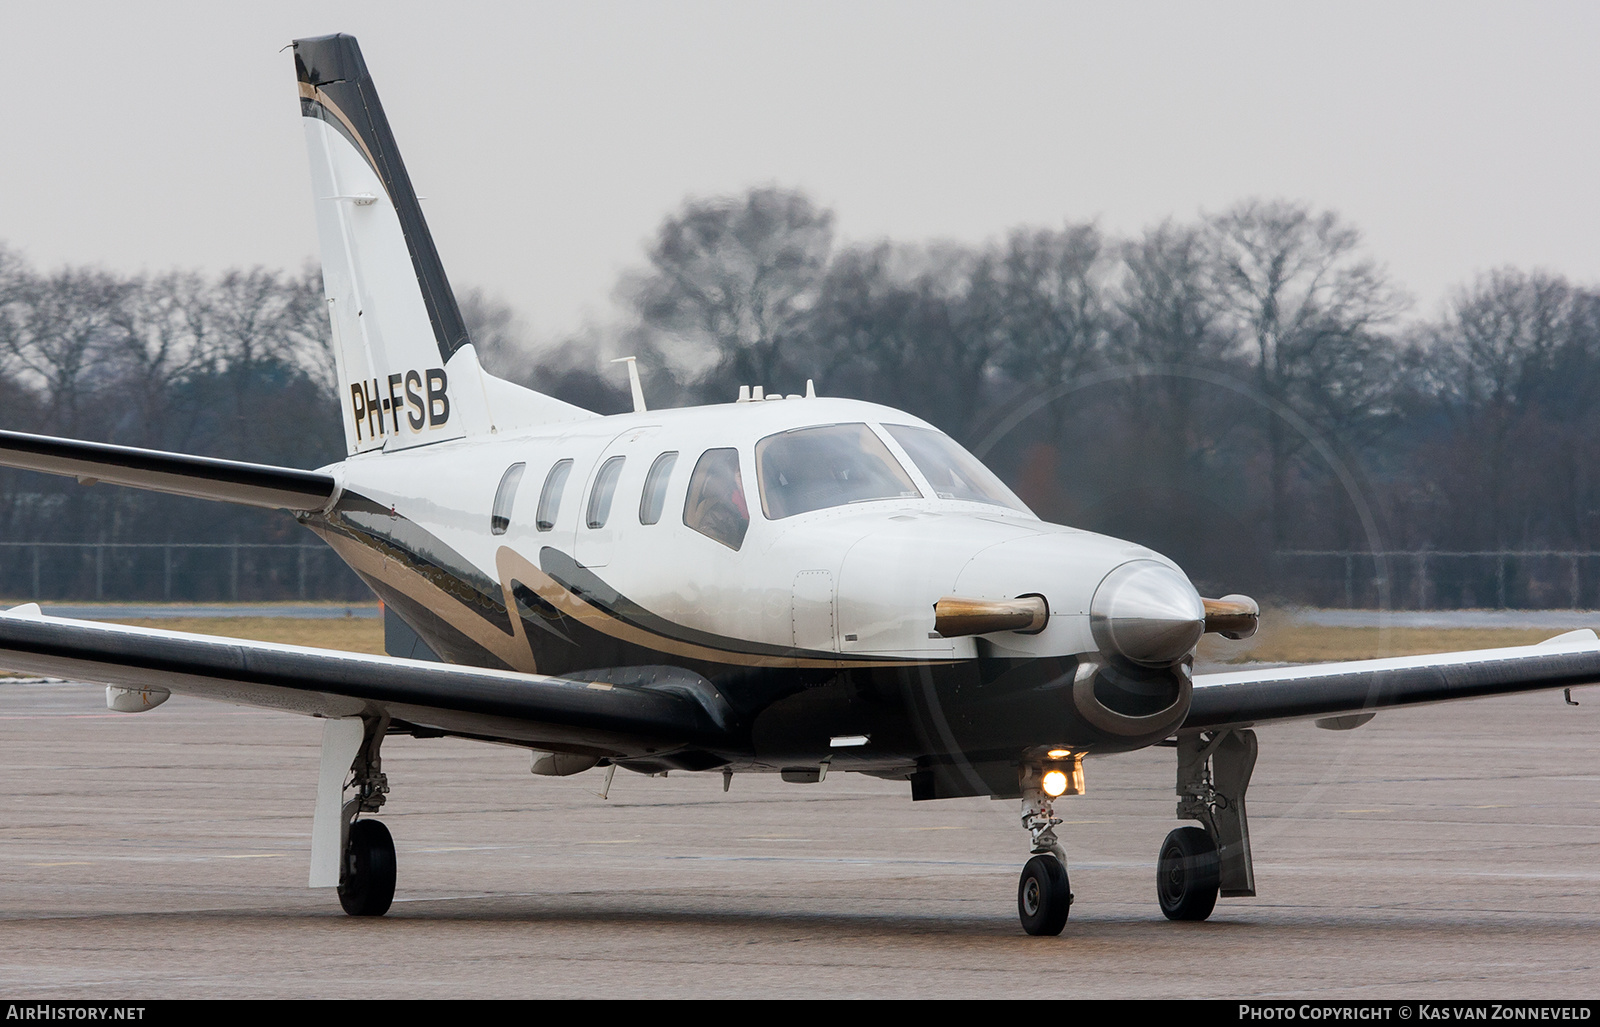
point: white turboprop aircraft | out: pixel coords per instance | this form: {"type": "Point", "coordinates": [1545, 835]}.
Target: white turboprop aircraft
{"type": "Point", "coordinates": [791, 586]}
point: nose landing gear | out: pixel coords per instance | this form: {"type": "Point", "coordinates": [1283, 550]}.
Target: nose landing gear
{"type": "Point", "coordinates": [1044, 894]}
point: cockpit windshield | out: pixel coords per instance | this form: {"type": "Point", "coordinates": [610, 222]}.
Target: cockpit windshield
{"type": "Point", "coordinates": [816, 468]}
{"type": "Point", "coordinates": [952, 471]}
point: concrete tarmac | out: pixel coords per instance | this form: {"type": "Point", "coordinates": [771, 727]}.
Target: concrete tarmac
{"type": "Point", "coordinates": [1446, 852]}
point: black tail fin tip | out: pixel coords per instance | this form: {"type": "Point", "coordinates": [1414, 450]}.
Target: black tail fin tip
{"type": "Point", "coordinates": [335, 87]}
{"type": "Point", "coordinates": [323, 60]}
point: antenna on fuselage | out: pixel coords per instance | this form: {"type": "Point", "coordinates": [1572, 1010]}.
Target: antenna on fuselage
{"type": "Point", "coordinates": [758, 393]}
{"type": "Point", "coordinates": [633, 382]}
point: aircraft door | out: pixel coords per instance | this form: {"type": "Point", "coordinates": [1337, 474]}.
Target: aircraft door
{"type": "Point", "coordinates": [610, 500]}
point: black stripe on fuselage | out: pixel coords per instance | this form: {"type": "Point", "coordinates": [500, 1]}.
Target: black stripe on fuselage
{"type": "Point", "coordinates": [567, 643]}
{"type": "Point", "coordinates": [334, 67]}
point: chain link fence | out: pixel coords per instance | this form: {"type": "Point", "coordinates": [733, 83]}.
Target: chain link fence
{"type": "Point", "coordinates": [181, 572]}
{"type": "Point", "coordinates": [1521, 579]}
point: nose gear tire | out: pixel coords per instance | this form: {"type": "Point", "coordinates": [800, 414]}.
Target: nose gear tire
{"type": "Point", "coordinates": [1043, 896]}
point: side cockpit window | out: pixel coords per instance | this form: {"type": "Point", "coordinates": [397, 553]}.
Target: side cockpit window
{"type": "Point", "coordinates": [504, 496]}
{"type": "Point", "coordinates": [952, 471]}
{"type": "Point", "coordinates": [715, 506]}
{"type": "Point", "coordinates": [550, 496]}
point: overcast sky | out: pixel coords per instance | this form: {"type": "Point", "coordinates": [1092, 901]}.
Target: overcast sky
{"type": "Point", "coordinates": [550, 139]}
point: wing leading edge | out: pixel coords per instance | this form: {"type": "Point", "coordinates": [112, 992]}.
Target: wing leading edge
{"type": "Point", "coordinates": [230, 481]}
{"type": "Point", "coordinates": [657, 710]}
{"type": "Point", "coordinates": [1335, 689]}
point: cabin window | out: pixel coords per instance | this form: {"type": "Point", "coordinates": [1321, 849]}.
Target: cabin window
{"type": "Point", "coordinates": [715, 505]}
{"type": "Point", "coordinates": [605, 487]}
{"type": "Point", "coordinates": [655, 488]}
{"type": "Point", "coordinates": [504, 496]}
{"type": "Point", "coordinates": [550, 496]}
{"type": "Point", "coordinates": [952, 471]}
{"type": "Point", "coordinates": [816, 468]}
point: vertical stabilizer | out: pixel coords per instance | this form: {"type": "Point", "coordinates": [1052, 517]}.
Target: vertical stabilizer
{"type": "Point", "coordinates": [408, 374]}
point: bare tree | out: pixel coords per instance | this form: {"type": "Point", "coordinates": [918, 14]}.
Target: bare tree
{"type": "Point", "coordinates": [59, 328]}
{"type": "Point", "coordinates": [498, 334]}
{"type": "Point", "coordinates": [737, 276]}
{"type": "Point", "coordinates": [1516, 360]}
{"type": "Point", "coordinates": [161, 339]}
{"type": "Point", "coordinates": [917, 327]}
{"type": "Point", "coordinates": [1313, 311]}
{"type": "Point", "coordinates": [1052, 289]}
{"type": "Point", "coordinates": [308, 329]}
{"type": "Point", "coordinates": [1169, 317]}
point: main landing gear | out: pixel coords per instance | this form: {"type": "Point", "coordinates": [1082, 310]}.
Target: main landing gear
{"type": "Point", "coordinates": [1197, 864]}
{"type": "Point", "coordinates": [366, 874]}
{"type": "Point", "coordinates": [1044, 894]}
{"type": "Point", "coordinates": [353, 855]}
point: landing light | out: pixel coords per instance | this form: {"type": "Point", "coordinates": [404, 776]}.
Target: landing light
{"type": "Point", "coordinates": [1060, 754]}
{"type": "Point", "coordinates": [1055, 783]}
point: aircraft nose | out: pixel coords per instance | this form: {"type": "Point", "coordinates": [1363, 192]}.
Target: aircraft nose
{"type": "Point", "coordinates": [1147, 612]}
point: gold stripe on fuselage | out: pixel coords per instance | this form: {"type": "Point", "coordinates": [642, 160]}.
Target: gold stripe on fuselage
{"type": "Point", "coordinates": [512, 566]}
{"type": "Point", "coordinates": [516, 649]}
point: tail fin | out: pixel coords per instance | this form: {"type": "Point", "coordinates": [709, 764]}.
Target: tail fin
{"type": "Point", "coordinates": [408, 373]}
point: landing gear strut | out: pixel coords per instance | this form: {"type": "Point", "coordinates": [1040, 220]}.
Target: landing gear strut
{"type": "Point", "coordinates": [1198, 863]}
{"type": "Point", "coordinates": [366, 875]}
{"type": "Point", "coordinates": [1044, 895]}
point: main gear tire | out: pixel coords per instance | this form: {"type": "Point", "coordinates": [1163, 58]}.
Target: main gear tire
{"type": "Point", "coordinates": [1187, 874]}
{"type": "Point", "coordinates": [366, 888]}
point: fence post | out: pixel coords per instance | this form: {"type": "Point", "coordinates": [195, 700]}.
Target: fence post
{"type": "Point", "coordinates": [1422, 580]}
{"type": "Point", "coordinates": [1500, 580]}
{"type": "Point", "coordinates": [99, 571]}
{"type": "Point", "coordinates": [1574, 581]}
{"type": "Point", "coordinates": [233, 573]}
{"type": "Point", "coordinates": [1349, 581]}
{"type": "Point", "coordinates": [166, 573]}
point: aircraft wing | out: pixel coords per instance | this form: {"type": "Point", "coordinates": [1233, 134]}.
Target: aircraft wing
{"type": "Point", "coordinates": [1243, 698]}
{"type": "Point", "coordinates": [658, 710]}
{"type": "Point", "coordinates": [230, 481]}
